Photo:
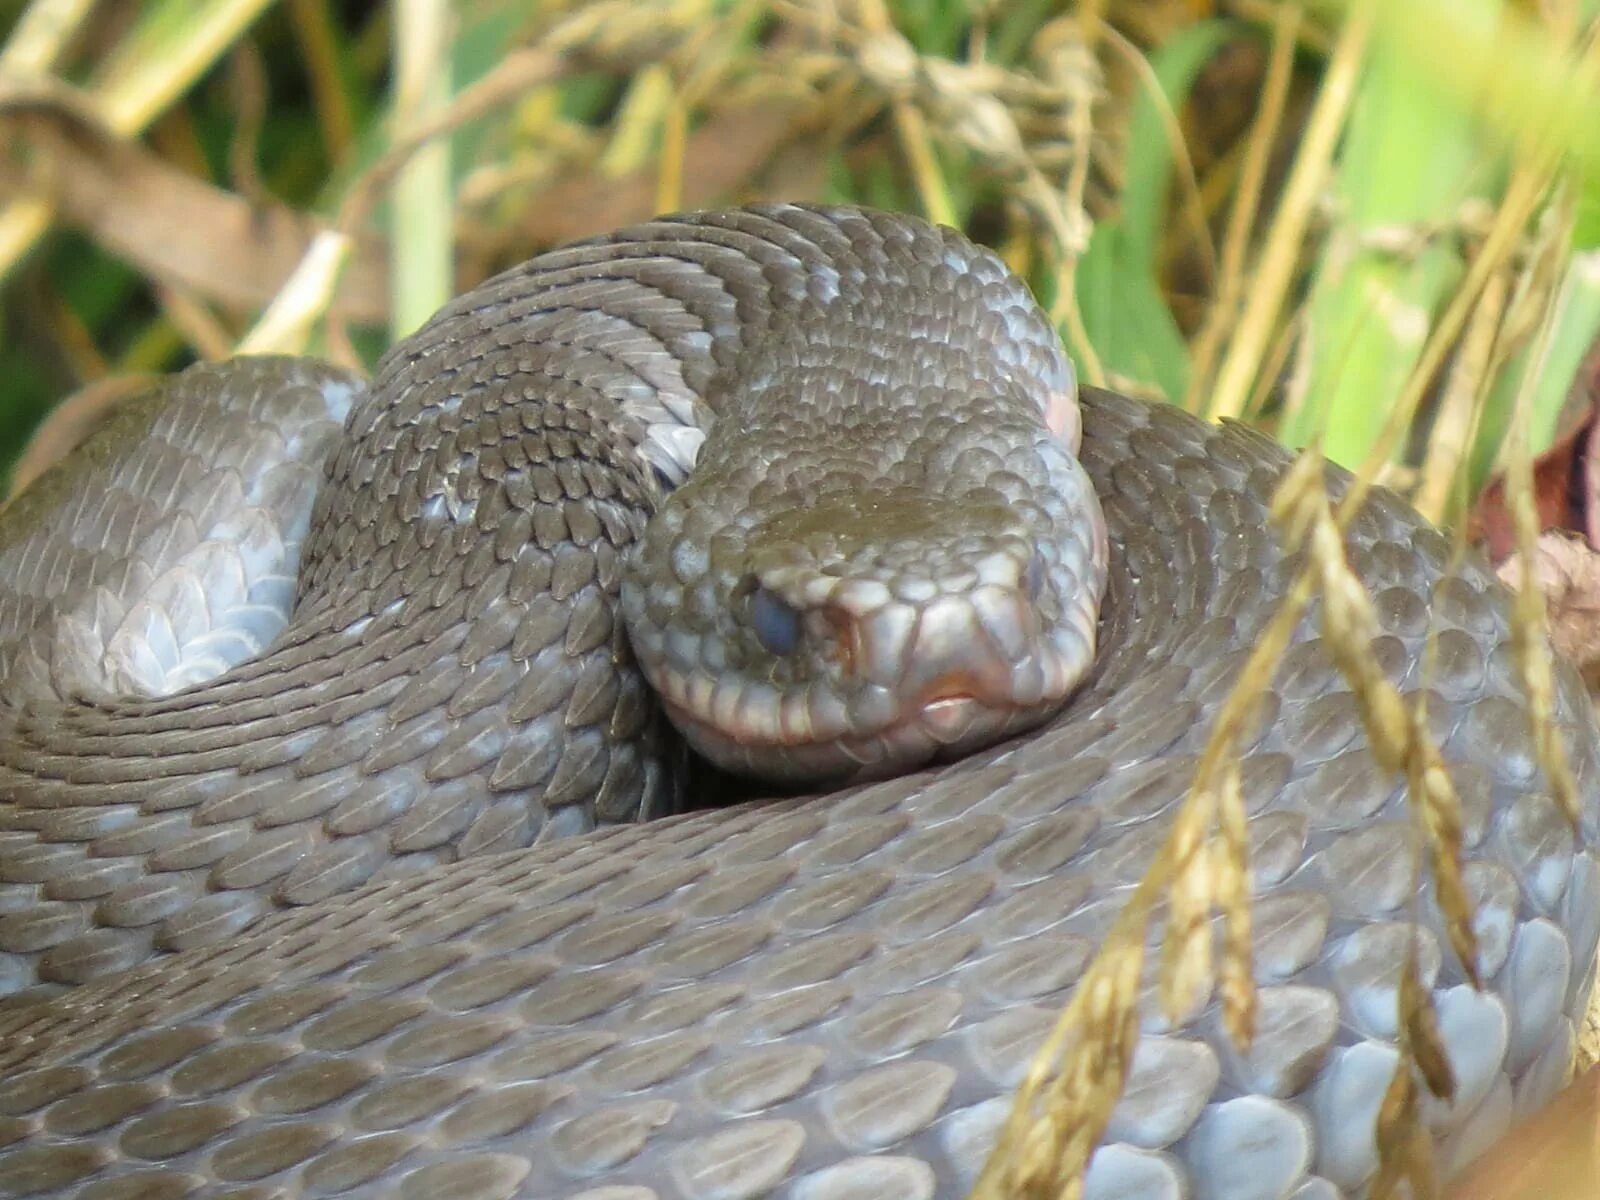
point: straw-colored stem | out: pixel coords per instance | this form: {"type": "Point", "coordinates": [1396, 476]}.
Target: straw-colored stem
{"type": "Point", "coordinates": [1280, 254]}
{"type": "Point", "coordinates": [1246, 203]}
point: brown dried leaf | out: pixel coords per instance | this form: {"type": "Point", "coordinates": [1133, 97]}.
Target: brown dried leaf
{"type": "Point", "coordinates": [1566, 477]}
{"type": "Point", "coordinates": [171, 225]}
{"type": "Point", "coordinates": [1559, 475]}
{"type": "Point", "coordinates": [723, 152]}
{"type": "Point", "coordinates": [1567, 572]}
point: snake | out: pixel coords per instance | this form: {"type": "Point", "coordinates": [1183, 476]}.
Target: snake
{"type": "Point", "coordinates": [359, 744]}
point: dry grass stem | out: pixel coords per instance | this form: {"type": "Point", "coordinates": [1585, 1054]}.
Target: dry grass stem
{"type": "Point", "coordinates": [918, 147]}
{"type": "Point", "coordinates": [1058, 1115]}
{"type": "Point", "coordinates": [1529, 184]}
{"type": "Point", "coordinates": [1194, 211]}
{"type": "Point", "coordinates": [1405, 1148]}
{"type": "Point", "coordinates": [1236, 988]}
{"type": "Point", "coordinates": [173, 227]}
{"type": "Point", "coordinates": [1399, 740]}
{"type": "Point", "coordinates": [314, 37]}
{"type": "Point", "coordinates": [1242, 215]}
{"type": "Point", "coordinates": [41, 34]}
{"type": "Point", "coordinates": [286, 325]}
{"type": "Point", "coordinates": [1405, 1156]}
{"type": "Point", "coordinates": [1456, 421]}
{"type": "Point", "coordinates": [1530, 620]}
{"type": "Point", "coordinates": [1038, 1151]}
{"type": "Point", "coordinates": [980, 109]}
{"type": "Point", "coordinates": [1349, 626]}
{"type": "Point", "coordinates": [674, 154]}
{"type": "Point", "coordinates": [131, 89]}
{"type": "Point", "coordinates": [1275, 266]}
{"type": "Point", "coordinates": [1438, 808]}
{"type": "Point", "coordinates": [1191, 894]}
{"type": "Point", "coordinates": [1065, 312]}
{"type": "Point", "coordinates": [200, 328]}
{"type": "Point", "coordinates": [520, 71]}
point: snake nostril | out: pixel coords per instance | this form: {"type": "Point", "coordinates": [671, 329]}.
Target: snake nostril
{"type": "Point", "coordinates": [849, 649]}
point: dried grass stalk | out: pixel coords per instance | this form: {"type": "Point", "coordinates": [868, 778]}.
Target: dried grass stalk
{"type": "Point", "coordinates": [1186, 951]}
{"type": "Point", "coordinates": [1530, 644]}
{"type": "Point", "coordinates": [1438, 809]}
{"type": "Point", "coordinates": [1059, 1115]}
{"type": "Point", "coordinates": [1400, 742]}
{"type": "Point", "coordinates": [1405, 1147]}
{"type": "Point", "coordinates": [1236, 982]}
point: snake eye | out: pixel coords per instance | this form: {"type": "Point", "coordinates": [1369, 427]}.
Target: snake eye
{"type": "Point", "coordinates": [776, 622]}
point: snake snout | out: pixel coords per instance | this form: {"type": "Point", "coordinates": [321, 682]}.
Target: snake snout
{"type": "Point", "coordinates": [981, 660]}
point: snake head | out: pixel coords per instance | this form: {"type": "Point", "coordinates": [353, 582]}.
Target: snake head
{"type": "Point", "coordinates": [864, 633]}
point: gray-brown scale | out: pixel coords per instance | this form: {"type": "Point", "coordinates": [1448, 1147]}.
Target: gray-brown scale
{"type": "Point", "coordinates": [816, 997]}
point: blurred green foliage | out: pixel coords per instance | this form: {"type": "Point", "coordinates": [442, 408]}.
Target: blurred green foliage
{"type": "Point", "coordinates": [958, 108]}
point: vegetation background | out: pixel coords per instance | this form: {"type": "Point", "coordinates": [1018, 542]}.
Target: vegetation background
{"type": "Point", "coordinates": [1374, 225]}
{"type": "Point", "coordinates": [1257, 208]}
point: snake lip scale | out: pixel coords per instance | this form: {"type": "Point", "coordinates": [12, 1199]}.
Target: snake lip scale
{"type": "Point", "coordinates": [325, 734]}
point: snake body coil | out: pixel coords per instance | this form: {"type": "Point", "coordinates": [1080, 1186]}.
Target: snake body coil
{"type": "Point", "coordinates": [816, 997]}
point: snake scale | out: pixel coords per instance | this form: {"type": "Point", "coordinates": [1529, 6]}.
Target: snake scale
{"type": "Point", "coordinates": [351, 902]}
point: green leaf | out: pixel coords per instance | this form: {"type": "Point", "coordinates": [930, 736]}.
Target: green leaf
{"type": "Point", "coordinates": [1586, 217]}
{"type": "Point", "coordinates": [1119, 276]}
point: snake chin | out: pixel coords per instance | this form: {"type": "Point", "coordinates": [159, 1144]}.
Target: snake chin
{"type": "Point", "coordinates": [939, 727]}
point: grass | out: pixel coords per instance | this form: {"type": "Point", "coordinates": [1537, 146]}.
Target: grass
{"type": "Point", "coordinates": [1392, 256]}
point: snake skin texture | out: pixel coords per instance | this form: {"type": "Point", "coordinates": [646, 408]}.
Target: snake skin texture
{"type": "Point", "coordinates": [816, 998]}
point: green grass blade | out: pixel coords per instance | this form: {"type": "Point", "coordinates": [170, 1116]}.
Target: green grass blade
{"type": "Point", "coordinates": [1410, 154]}
{"type": "Point", "coordinates": [1119, 276]}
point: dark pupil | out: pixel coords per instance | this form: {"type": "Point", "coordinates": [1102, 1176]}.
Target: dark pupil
{"type": "Point", "coordinates": [777, 625]}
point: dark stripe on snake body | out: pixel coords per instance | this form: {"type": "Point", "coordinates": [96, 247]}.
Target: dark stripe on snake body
{"type": "Point", "coordinates": [814, 997]}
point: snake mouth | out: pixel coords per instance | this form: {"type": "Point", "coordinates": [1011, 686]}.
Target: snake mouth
{"type": "Point", "coordinates": [948, 720]}
{"type": "Point", "coordinates": [951, 728]}
{"type": "Point", "coordinates": [950, 715]}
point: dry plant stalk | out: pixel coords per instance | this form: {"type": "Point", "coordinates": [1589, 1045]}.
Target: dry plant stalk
{"type": "Point", "coordinates": [1242, 214]}
{"type": "Point", "coordinates": [1275, 266]}
{"type": "Point", "coordinates": [1405, 1150]}
{"type": "Point", "coordinates": [1075, 1080]}
{"type": "Point", "coordinates": [1400, 742]}
{"type": "Point", "coordinates": [1461, 402]}
{"type": "Point", "coordinates": [1530, 639]}
{"type": "Point", "coordinates": [1030, 130]}
{"type": "Point", "coordinates": [1059, 1114]}
{"type": "Point", "coordinates": [1210, 873]}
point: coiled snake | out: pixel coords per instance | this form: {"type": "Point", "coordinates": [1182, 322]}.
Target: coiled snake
{"type": "Point", "coordinates": [378, 968]}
